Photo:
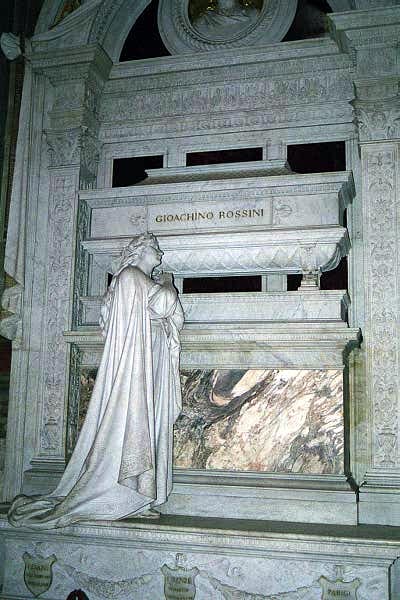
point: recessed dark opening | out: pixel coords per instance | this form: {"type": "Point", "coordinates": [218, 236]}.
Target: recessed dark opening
{"type": "Point", "coordinates": [293, 282]}
{"type": "Point", "coordinates": [128, 171]}
{"type": "Point", "coordinates": [144, 40]}
{"type": "Point", "coordinates": [310, 20]}
{"type": "Point", "coordinates": [215, 285]}
{"type": "Point", "coordinates": [335, 279]}
{"type": "Point", "coordinates": [317, 158]}
{"type": "Point", "coordinates": [109, 278]}
{"type": "Point", "coordinates": [215, 157]}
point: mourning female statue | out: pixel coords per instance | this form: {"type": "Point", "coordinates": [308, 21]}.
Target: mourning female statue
{"type": "Point", "coordinates": [122, 462]}
{"type": "Point", "coordinates": [225, 19]}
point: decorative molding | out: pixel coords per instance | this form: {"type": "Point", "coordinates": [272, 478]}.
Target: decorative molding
{"type": "Point", "coordinates": [254, 94]}
{"type": "Point", "coordinates": [229, 345]}
{"type": "Point", "coordinates": [106, 12]}
{"type": "Point", "coordinates": [235, 253]}
{"type": "Point", "coordinates": [239, 123]}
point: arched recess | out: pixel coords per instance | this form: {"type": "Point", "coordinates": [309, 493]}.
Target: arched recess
{"type": "Point", "coordinates": [107, 22]}
{"type": "Point", "coordinates": [119, 23]}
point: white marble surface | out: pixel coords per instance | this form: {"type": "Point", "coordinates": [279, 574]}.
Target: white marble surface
{"type": "Point", "coordinates": [246, 565]}
{"type": "Point", "coordinates": [319, 306]}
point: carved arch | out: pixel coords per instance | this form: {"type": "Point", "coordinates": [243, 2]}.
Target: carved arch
{"type": "Point", "coordinates": [106, 22]}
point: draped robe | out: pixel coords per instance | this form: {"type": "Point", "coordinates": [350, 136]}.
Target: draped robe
{"type": "Point", "coordinates": [122, 462]}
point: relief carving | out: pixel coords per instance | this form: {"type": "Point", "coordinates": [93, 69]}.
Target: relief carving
{"type": "Point", "coordinates": [64, 147]}
{"type": "Point", "coordinates": [251, 95]}
{"type": "Point", "coordinates": [382, 259]}
{"type": "Point", "coordinates": [61, 211]}
{"type": "Point", "coordinates": [377, 123]}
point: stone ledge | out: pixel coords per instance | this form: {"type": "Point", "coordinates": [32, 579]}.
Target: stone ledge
{"type": "Point", "coordinates": [369, 544]}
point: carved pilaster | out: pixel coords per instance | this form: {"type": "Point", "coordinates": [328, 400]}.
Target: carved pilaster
{"type": "Point", "coordinates": [62, 212]}
{"type": "Point", "coordinates": [382, 205]}
{"type": "Point", "coordinates": [381, 201]}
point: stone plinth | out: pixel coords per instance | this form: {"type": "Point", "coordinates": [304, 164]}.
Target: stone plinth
{"type": "Point", "coordinates": [212, 558]}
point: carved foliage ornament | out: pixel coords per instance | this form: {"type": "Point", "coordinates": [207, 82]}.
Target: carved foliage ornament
{"type": "Point", "coordinates": [193, 25]}
{"type": "Point", "coordinates": [382, 258]}
{"type": "Point", "coordinates": [378, 123]}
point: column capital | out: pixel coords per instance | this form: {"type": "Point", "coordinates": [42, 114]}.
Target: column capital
{"type": "Point", "coordinates": [377, 109]}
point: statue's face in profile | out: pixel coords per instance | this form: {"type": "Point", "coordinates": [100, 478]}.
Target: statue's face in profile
{"type": "Point", "coordinates": [150, 258]}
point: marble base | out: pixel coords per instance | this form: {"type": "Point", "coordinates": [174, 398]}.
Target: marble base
{"type": "Point", "coordinates": [202, 559]}
{"type": "Point", "coordinates": [380, 505]}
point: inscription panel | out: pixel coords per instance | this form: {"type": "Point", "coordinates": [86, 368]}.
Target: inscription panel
{"type": "Point", "coordinates": [256, 208]}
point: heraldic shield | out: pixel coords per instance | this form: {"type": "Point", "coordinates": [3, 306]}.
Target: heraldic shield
{"type": "Point", "coordinates": [38, 574]}
{"type": "Point", "coordinates": [179, 581]}
{"type": "Point", "coordinates": [332, 590]}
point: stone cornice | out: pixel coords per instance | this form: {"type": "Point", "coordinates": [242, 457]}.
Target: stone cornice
{"type": "Point", "coordinates": [72, 64]}
{"type": "Point", "coordinates": [373, 546]}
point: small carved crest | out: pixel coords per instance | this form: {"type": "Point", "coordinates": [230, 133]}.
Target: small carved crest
{"type": "Point", "coordinates": [179, 580]}
{"type": "Point", "coordinates": [38, 575]}
{"type": "Point", "coordinates": [333, 590]}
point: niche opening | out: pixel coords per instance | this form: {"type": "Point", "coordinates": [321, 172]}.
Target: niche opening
{"type": "Point", "coordinates": [322, 157]}
{"type": "Point", "coordinates": [218, 285]}
{"type": "Point", "coordinates": [128, 171]}
{"type": "Point", "coordinates": [215, 157]}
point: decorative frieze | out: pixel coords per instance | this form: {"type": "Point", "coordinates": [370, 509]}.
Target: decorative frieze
{"type": "Point", "coordinates": [241, 121]}
{"type": "Point", "coordinates": [211, 98]}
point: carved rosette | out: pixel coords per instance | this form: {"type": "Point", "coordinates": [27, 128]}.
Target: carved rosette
{"type": "Point", "coordinates": [382, 256]}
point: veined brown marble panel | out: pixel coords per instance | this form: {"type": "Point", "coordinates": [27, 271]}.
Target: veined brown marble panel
{"type": "Point", "coordinates": [273, 420]}
{"type": "Point", "coordinates": [261, 420]}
